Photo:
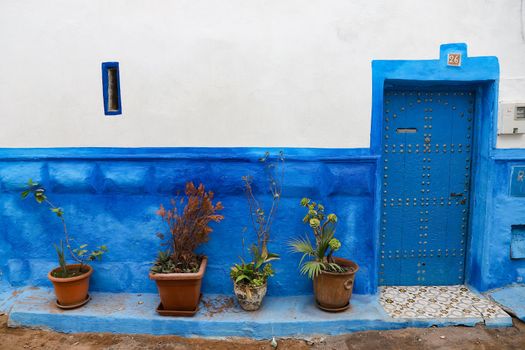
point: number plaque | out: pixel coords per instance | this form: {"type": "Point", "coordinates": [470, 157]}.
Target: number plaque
{"type": "Point", "coordinates": [454, 59]}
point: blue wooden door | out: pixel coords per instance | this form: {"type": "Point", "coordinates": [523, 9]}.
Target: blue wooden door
{"type": "Point", "coordinates": [426, 161]}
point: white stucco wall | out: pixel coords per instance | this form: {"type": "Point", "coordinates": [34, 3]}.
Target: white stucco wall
{"type": "Point", "coordinates": [228, 72]}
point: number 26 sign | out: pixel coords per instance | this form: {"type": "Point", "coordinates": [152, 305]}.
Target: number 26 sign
{"type": "Point", "coordinates": [454, 59]}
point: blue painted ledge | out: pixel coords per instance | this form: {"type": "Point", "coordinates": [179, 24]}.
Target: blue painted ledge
{"type": "Point", "coordinates": [507, 154]}
{"type": "Point", "coordinates": [511, 298]}
{"type": "Point", "coordinates": [294, 316]}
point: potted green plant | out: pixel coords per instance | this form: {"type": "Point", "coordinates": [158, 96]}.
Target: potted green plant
{"type": "Point", "coordinates": [178, 271]}
{"type": "Point", "coordinates": [333, 278]}
{"type": "Point", "coordinates": [70, 281]}
{"type": "Point", "coordinates": [250, 278]}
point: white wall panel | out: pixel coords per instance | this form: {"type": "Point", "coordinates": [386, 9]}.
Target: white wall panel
{"type": "Point", "coordinates": [227, 72]}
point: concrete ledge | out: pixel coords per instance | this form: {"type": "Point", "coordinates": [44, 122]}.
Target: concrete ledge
{"type": "Point", "coordinates": [218, 317]}
{"type": "Point", "coordinates": [511, 298]}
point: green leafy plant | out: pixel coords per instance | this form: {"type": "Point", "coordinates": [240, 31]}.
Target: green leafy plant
{"type": "Point", "coordinates": [256, 272]}
{"type": "Point", "coordinates": [320, 254]}
{"type": "Point", "coordinates": [80, 254]}
{"type": "Point", "coordinates": [164, 264]}
{"type": "Point", "coordinates": [252, 273]}
{"type": "Point", "coordinates": [188, 224]}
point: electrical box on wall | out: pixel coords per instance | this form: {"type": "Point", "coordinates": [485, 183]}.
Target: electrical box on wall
{"type": "Point", "coordinates": [511, 118]}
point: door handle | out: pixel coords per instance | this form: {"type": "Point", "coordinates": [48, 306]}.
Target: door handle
{"type": "Point", "coordinates": [456, 194]}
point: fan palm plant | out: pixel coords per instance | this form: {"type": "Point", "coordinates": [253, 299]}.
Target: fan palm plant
{"type": "Point", "coordinates": [319, 253]}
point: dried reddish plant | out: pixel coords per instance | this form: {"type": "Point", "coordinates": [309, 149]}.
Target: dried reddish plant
{"type": "Point", "coordinates": [188, 222]}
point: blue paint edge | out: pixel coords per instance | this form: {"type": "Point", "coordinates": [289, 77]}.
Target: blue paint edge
{"type": "Point", "coordinates": [251, 154]}
{"type": "Point", "coordinates": [508, 154]}
{"type": "Point", "coordinates": [105, 67]}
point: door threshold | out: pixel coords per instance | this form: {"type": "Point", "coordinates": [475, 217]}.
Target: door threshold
{"type": "Point", "coordinates": [438, 302]}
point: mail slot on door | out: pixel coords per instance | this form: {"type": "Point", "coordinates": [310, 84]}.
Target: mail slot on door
{"type": "Point", "coordinates": [406, 130]}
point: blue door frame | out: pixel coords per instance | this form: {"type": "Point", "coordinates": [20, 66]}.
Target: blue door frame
{"type": "Point", "coordinates": [483, 74]}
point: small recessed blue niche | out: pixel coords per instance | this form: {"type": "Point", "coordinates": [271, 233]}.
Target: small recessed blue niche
{"type": "Point", "coordinates": [517, 181]}
{"type": "Point", "coordinates": [111, 88]}
{"type": "Point", "coordinates": [517, 243]}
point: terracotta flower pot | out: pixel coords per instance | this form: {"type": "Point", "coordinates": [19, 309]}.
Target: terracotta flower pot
{"type": "Point", "coordinates": [249, 298]}
{"type": "Point", "coordinates": [180, 291]}
{"type": "Point", "coordinates": [333, 290]}
{"type": "Point", "coordinates": [72, 290]}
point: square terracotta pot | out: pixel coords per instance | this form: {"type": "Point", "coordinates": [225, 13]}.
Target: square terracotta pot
{"type": "Point", "coordinates": [180, 291]}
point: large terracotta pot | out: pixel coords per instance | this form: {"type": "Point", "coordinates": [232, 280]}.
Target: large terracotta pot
{"type": "Point", "coordinates": [72, 290]}
{"type": "Point", "coordinates": [333, 290]}
{"type": "Point", "coordinates": [249, 298]}
{"type": "Point", "coordinates": [180, 291]}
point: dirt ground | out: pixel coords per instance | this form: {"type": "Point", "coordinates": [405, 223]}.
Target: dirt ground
{"type": "Point", "coordinates": [463, 338]}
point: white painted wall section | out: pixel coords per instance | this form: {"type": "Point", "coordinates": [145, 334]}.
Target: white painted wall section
{"type": "Point", "coordinates": [228, 72]}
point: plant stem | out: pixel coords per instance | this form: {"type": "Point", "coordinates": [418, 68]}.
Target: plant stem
{"type": "Point", "coordinates": [66, 235]}
{"type": "Point", "coordinates": [329, 256]}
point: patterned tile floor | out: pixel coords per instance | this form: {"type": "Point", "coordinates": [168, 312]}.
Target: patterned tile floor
{"type": "Point", "coordinates": [437, 302]}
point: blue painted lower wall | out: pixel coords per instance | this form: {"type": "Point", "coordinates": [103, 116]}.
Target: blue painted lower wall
{"type": "Point", "coordinates": [110, 197]}
{"type": "Point", "coordinates": [497, 267]}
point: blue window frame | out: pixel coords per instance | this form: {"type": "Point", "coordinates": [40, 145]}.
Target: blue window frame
{"type": "Point", "coordinates": [111, 88]}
